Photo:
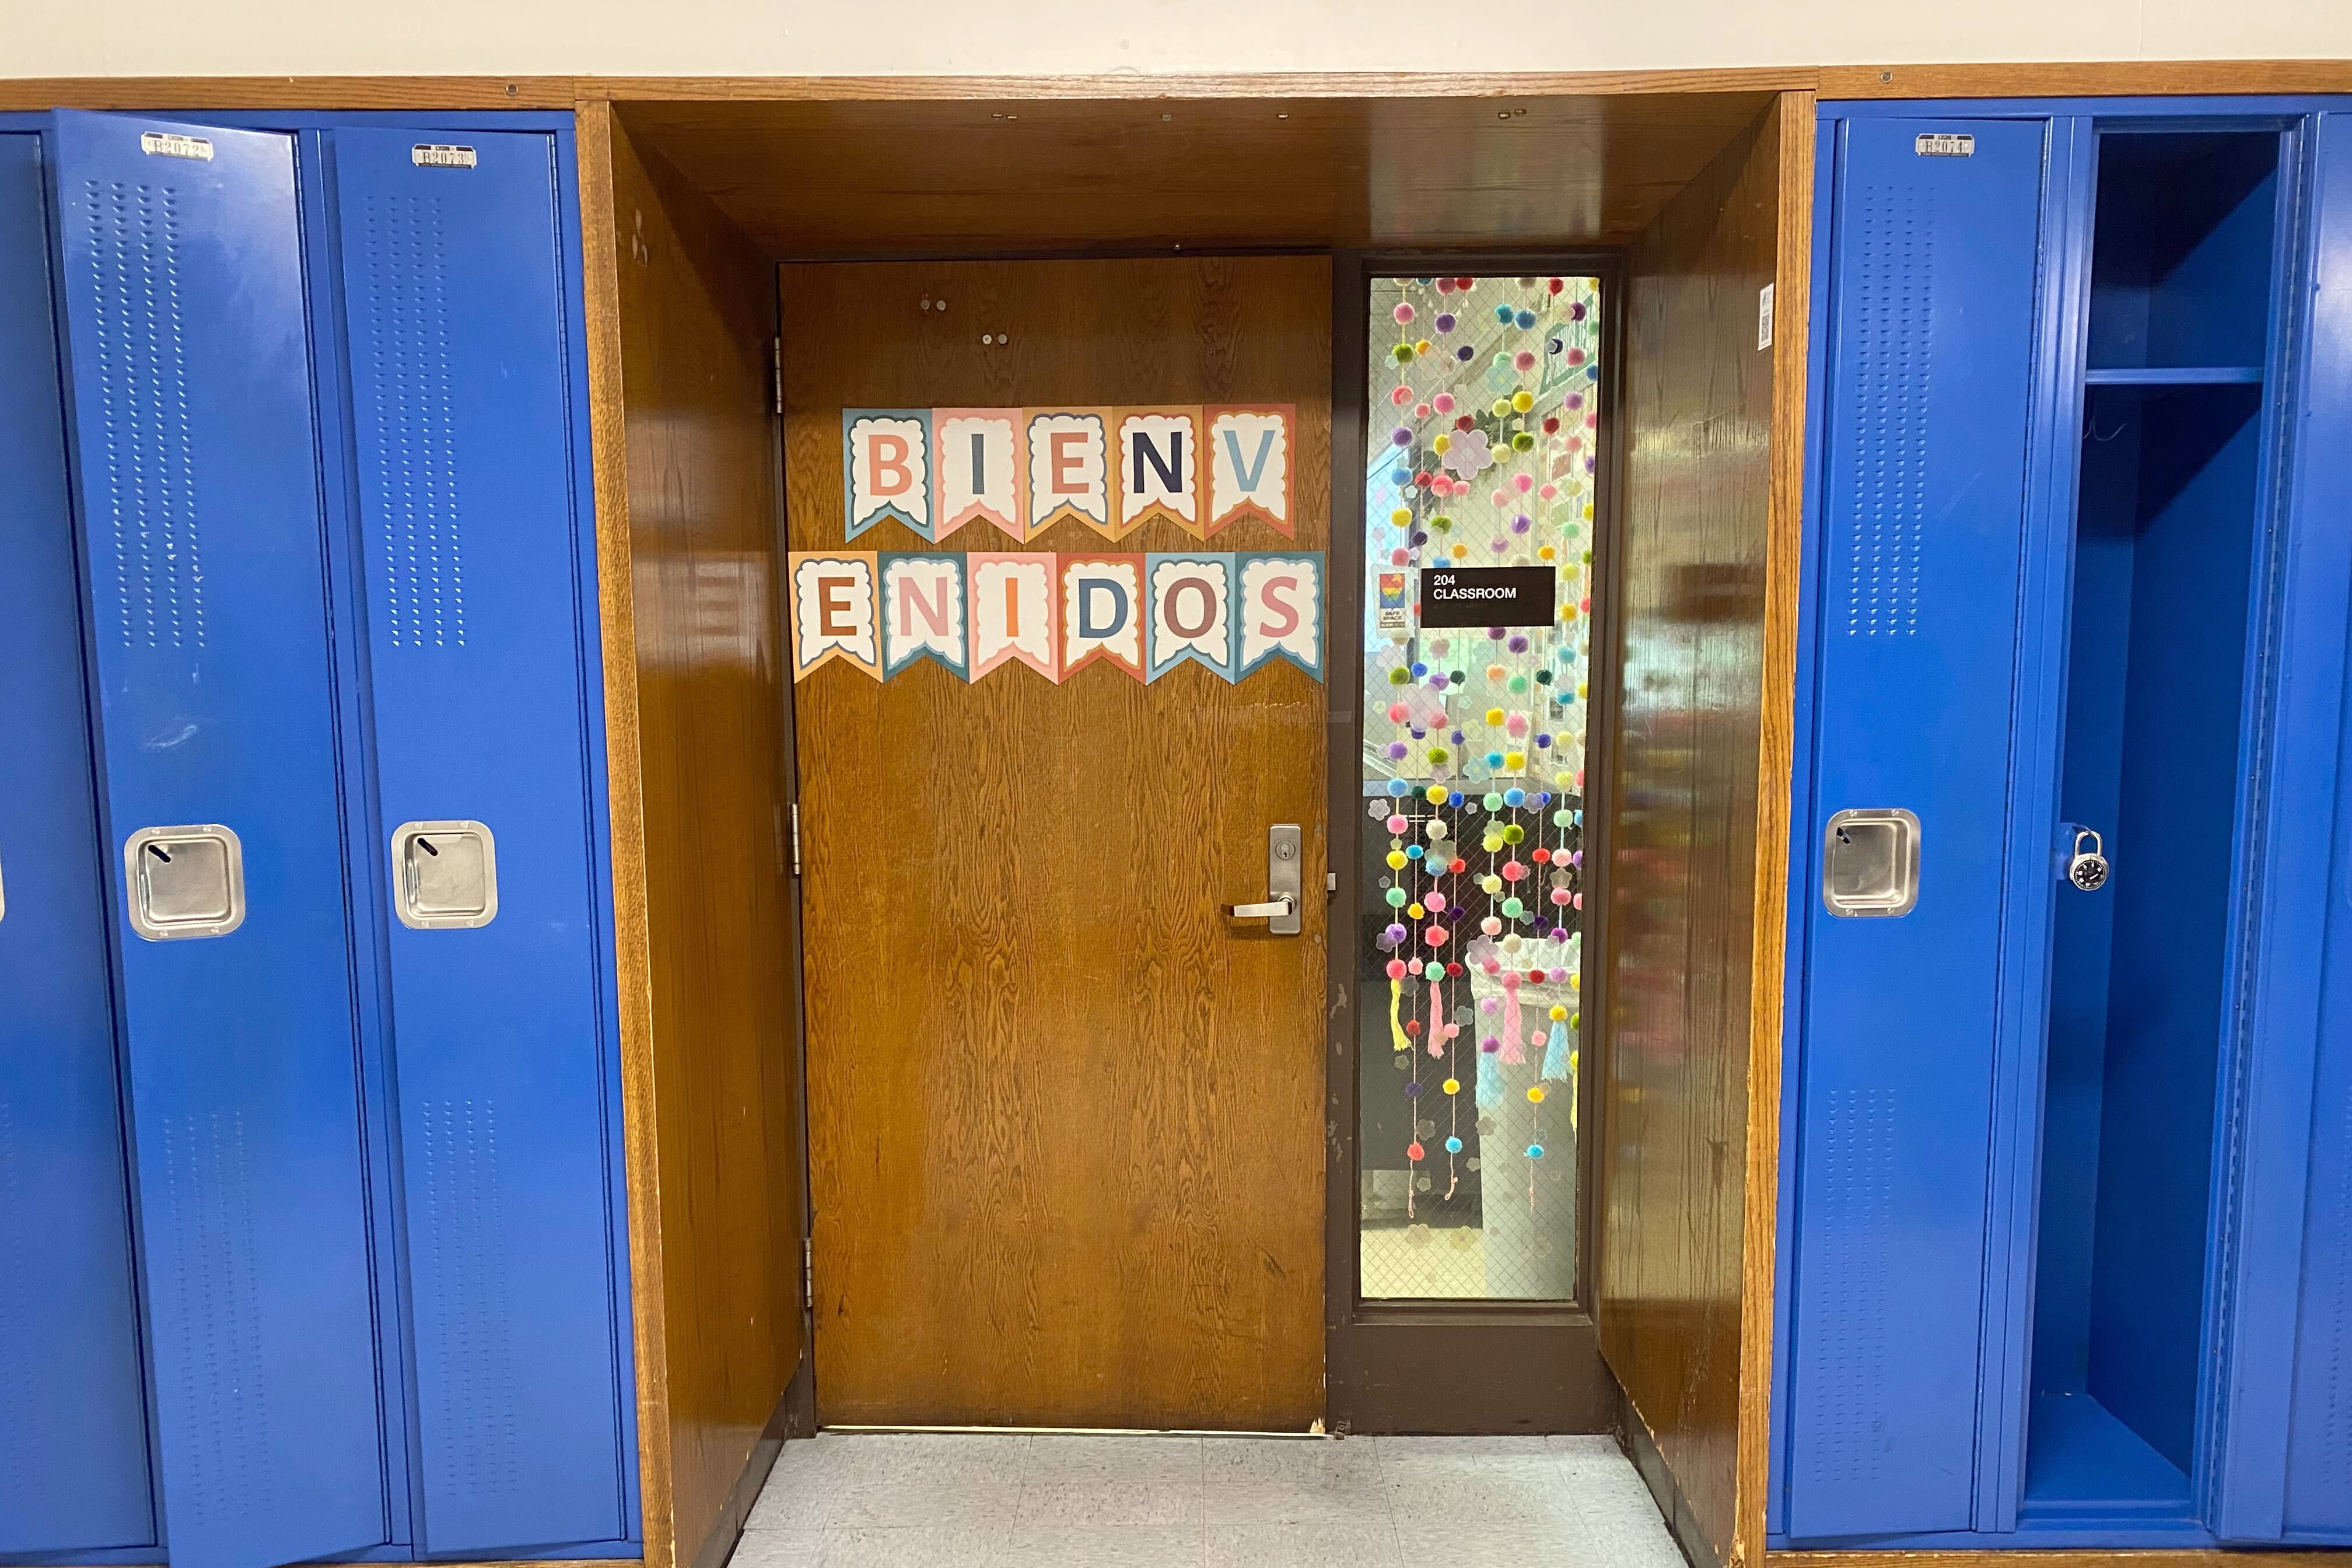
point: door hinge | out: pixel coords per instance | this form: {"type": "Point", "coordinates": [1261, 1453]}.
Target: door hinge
{"type": "Point", "coordinates": [796, 837]}
{"type": "Point", "coordinates": [776, 368]}
{"type": "Point", "coordinates": [808, 1270]}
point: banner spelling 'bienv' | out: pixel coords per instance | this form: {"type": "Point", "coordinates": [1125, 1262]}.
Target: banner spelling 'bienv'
{"type": "Point", "coordinates": [1056, 613]}
{"type": "Point", "coordinates": [1023, 469]}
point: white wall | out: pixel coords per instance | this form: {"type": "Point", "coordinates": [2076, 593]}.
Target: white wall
{"type": "Point", "coordinates": [748, 38]}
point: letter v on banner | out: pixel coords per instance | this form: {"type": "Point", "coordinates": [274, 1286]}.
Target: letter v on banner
{"type": "Point", "coordinates": [923, 613]}
{"type": "Point", "coordinates": [885, 468]}
{"type": "Point", "coordinates": [1192, 605]}
{"type": "Point", "coordinates": [1250, 463]}
{"type": "Point", "coordinates": [1102, 612]}
{"type": "Point", "coordinates": [834, 612]}
{"type": "Point", "coordinates": [1012, 612]}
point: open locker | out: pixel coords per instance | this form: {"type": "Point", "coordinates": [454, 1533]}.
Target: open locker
{"type": "Point", "coordinates": [2081, 1138]}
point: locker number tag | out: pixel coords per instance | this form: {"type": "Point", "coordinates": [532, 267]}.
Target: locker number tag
{"type": "Point", "coordinates": [440, 155]}
{"type": "Point", "coordinates": [1945, 144]}
{"type": "Point", "coordinates": [171, 144]}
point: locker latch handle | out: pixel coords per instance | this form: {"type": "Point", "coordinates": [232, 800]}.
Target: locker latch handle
{"type": "Point", "coordinates": [445, 875]}
{"type": "Point", "coordinates": [184, 881]}
{"type": "Point", "coordinates": [1870, 863]}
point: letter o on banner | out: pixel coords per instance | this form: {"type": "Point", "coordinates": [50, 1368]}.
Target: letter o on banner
{"type": "Point", "coordinates": [1203, 594]}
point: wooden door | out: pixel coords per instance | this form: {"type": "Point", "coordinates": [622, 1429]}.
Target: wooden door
{"type": "Point", "coordinates": [1065, 1117]}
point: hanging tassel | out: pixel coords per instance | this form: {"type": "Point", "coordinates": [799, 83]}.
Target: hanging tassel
{"type": "Point", "coordinates": [1436, 1021]}
{"type": "Point", "coordinates": [1555, 1068]}
{"type": "Point", "coordinates": [1513, 1054]}
{"type": "Point", "coordinates": [1397, 1036]}
{"type": "Point", "coordinates": [1490, 1082]}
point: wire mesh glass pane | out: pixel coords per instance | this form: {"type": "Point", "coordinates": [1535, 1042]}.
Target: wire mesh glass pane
{"type": "Point", "coordinates": [1483, 436]}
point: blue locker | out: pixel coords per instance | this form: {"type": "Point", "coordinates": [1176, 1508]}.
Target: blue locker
{"type": "Point", "coordinates": [480, 642]}
{"type": "Point", "coordinates": [1923, 515]}
{"type": "Point", "coordinates": [197, 477]}
{"type": "Point", "coordinates": [73, 1418]}
{"type": "Point", "coordinates": [2285, 1428]}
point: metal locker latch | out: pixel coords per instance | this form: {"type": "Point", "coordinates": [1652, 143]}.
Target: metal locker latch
{"type": "Point", "coordinates": [1870, 863]}
{"type": "Point", "coordinates": [184, 881]}
{"type": "Point", "coordinates": [448, 874]}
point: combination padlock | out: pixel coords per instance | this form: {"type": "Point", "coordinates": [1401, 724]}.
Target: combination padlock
{"type": "Point", "coordinates": [2087, 868]}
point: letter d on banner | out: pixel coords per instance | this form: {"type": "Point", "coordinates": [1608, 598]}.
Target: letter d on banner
{"type": "Point", "coordinates": [1102, 612]}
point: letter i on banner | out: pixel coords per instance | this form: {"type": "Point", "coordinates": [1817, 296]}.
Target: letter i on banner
{"type": "Point", "coordinates": [1070, 469]}
{"type": "Point", "coordinates": [1282, 611]}
{"type": "Point", "coordinates": [886, 462]}
{"type": "Point", "coordinates": [1191, 604]}
{"type": "Point", "coordinates": [1012, 612]}
{"type": "Point", "coordinates": [923, 613]}
{"type": "Point", "coordinates": [1251, 462]}
{"type": "Point", "coordinates": [834, 616]}
{"type": "Point", "coordinates": [1159, 470]}
{"type": "Point", "coordinates": [982, 477]}
{"type": "Point", "coordinates": [1102, 612]}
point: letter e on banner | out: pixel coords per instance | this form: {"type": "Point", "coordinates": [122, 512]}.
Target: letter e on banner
{"type": "Point", "coordinates": [834, 612]}
{"type": "Point", "coordinates": [1070, 469]}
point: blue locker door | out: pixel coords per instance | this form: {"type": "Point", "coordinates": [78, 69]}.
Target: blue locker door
{"type": "Point", "coordinates": [73, 1418]}
{"type": "Point", "coordinates": [1923, 538]}
{"type": "Point", "coordinates": [196, 470]}
{"type": "Point", "coordinates": [480, 643]}
{"type": "Point", "coordinates": [2285, 1464]}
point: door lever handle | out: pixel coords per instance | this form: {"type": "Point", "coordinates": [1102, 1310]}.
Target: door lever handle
{"type": "Point", "coordinates": [1278, 909]}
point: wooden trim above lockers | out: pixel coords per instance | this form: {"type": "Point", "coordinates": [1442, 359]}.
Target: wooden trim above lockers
{"type": "Point", "coordinates": [1976, 80]}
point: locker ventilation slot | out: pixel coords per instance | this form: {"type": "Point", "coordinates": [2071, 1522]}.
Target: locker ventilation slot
{"type": "Point", "coordinates": [148, 503]}
{"type": "Point", "coordinates": [470, 1393]}
{"type": "Point", "coordinates": [407, 366]}
{"type": "Point", "coordinates": [210, 1182]}
{"type": "Point", "coordinates": [1858, 1147]}
{"type": "Point", "coordinates": [1893, 356]}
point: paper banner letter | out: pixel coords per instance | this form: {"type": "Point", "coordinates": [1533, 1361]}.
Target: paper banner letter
{"type": "Point", "coordinates": [834, 612]}
{"type": "Point", "coordinates": [1159, 469]}
{"type": "Point", "coordinates": [1012, 618]}
{"type": "Point", "coordinates": [1249, 464]}
{"type": "Point", "coordinates": [1191, 600]}
{"type": "Point", "coordinates": [886, 467]}
{"type": "Point", "coordinates": [981, 475]}
{"type": "Point", "coordinates": [1282, 611]}
{"type": "Point", "coordinates": [1069, 473]}
{"type": "Point", "coordinates": [923, 613]}
{"type": "Point", "coordinates": [1102, 612]}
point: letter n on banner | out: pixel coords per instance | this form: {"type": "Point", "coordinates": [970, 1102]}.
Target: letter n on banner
{"type": "Point", "coordinates": [1251, 463]}
{"type": "Point", "coordinates": [1159, 470]}
{"type": "Point", "coordinates": [886, 461]}
{"type": "Point", "coordinates": [1191, 602]}
{"type": "Point", "coordinates": [1102, 612]}
{"type": "Point", "coordinates": [923, 613]}
{"type": "Point", "coordinates": [834, 612]}
{"type": "Point", "coordinates": [1282, 611]}
{"type": "Point", "coordinates": [1070, 469]}
{"type": "Point", "coordinates": [982, 478]}
{"type": "Point", "coordinates": [1012, 618]}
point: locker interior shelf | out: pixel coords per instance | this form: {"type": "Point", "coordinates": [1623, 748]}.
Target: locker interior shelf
{"type": "Point", "coordinates": [2176, 376]}
{"type": "Point", "coordinates": [2165, 544]}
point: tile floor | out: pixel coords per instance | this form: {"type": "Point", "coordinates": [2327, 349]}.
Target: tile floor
{"type": "Point", "coordinates": [851, 1500]}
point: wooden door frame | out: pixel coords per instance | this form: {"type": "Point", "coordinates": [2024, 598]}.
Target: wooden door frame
{"type": "Point", "coordinates": [1467, 1366]}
